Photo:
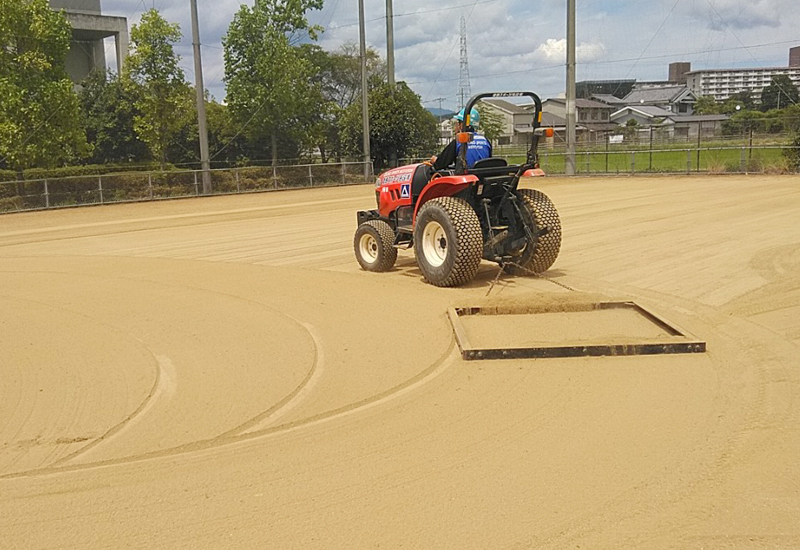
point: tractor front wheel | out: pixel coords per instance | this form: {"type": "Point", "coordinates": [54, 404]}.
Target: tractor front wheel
{"type": "Point", "coordinates": [374, 246]}
{"type": "Point", "coordinates": [448, 242]}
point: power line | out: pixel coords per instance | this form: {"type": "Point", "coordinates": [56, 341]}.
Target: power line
{"type": "Point", "coordinates": [411, 14]}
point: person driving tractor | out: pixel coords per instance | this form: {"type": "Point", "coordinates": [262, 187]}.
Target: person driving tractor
{"type": "Point", "coordinates": [477, 149]}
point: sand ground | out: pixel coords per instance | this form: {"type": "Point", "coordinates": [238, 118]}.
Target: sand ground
{"type": "Point", "coordinates": [218, 373]}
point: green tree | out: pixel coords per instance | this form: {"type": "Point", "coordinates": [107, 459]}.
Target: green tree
{"type": "Point", "coordinates": [226, 144]}
{"type": "Point", "coordinates": [269, 82]}
{"type": "Point", "coordinates": [337, 77]}
{"type": "Point", "coordinates": [707, 105]}
{"type": "Point", "coordinates": [109, 111]}
{"type": "Point", "coordinates": [743, 99]}
{"type": "Point", "coordinates": [631, 130]}
{"type": "Point", "coordinates": [340, 74]}
{"type": "Point", "coordinates": [163, 98]}
{"type": "Point", "coordinates": [780, 93]}
{"type": "Point", "coordinates": [492, 122]}
{"type": "Point", "coordinates": [792, 153]}
{"type": "Point", "coordinates": [396, 121]}
{"type": "Point", "coordinates": [39, 112]}
{"type": "Point", "coordinates": [743, 122]}
{"type": "Point", "coordinates": [791, 118]}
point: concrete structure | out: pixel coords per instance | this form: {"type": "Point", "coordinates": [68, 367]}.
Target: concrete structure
{"type": "Point", "coordinates": [721, 84]}
{"type": "Point", "coordinates": [677, 71]}
{"type": "Point", "coordinates": [89, 28]}
{"type": "Point", "coordinates": [794, 57]}
{"type": "Point", "coordinates": [586, 89]}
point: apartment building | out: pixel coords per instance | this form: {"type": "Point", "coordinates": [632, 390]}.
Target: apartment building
{"type": "Point", "coordinates": [87, 51]}
{"type": "Point", "coordinates": [721, 84]}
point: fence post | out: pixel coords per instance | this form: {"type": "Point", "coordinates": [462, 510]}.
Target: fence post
{"type": "Point", "coordinates": [588, 164]}
{"type": "Point", "coordinates": [344, 174]}
{"type": "Point", "coordinates": [100, 187]}
{"type": "Point", "coordinates": [274, 177]}
{"type": "Point", "coordinates": [699, 137]}
{"type": "Point", "coordinates": [46, 195]}
{"type": "Point", "coordinates": [238, 188]}
{"type": "Point", "coordinates": [310, 177]}
{"type": "Point", "coordinates": [688, 161]}
{"type": "Point", "coordinates": [633, 162]}
{"type": "Point", "coordinates": [150, 184]}
{"type": "Point", "coordinates": [196, 188]}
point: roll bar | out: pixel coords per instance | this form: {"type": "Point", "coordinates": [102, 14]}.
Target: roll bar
{"type": "Point", "coordinates": [461, 162]}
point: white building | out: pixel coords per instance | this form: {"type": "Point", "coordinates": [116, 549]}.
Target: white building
{"type": "Point", "coordinates": [721, 84]}
{"type": "Point", "coordinates": [516, 119]}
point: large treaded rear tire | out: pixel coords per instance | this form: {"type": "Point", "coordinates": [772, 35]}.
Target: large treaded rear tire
{"type": "Point", "coordinates": [448, 242]}
{"type": "Point", "coordinates": [374, 246]}
{"type": "Point", "coordinates": [541, 256]}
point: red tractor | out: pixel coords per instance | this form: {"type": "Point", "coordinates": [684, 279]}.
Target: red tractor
{"type": "Point", "coordinates": [455, 218]}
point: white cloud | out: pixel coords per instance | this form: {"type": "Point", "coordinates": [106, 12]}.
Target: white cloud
{"type": "Point", "coordinates": [514, 44]}
{"type": "Point", "coordinates": [736, 14]}
{"type": "Point", "coordinates": [555, 51]}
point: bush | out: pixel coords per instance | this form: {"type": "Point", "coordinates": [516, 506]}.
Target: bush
{"type": "Point", "coordinates": [89, 170]}
{"type": "Point", "coordinates": [792, 154]}
{"type": "Point", "coordinates": [8, 175]}
{"type": "Point", "coordinates": [11, 204]}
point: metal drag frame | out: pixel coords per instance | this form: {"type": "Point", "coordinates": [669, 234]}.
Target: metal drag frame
{"type": "Point", "coordinates": [688, 344]}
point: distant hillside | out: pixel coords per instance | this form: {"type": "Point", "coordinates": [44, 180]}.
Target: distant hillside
{"type": "Point", "coordinates": [441, 113]}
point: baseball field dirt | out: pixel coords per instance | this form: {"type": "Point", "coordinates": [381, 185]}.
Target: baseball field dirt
{"type": "Point", "coordinates": [219, 373]}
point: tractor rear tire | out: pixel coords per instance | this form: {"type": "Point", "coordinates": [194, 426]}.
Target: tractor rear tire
{"type": "Point", "coordinates": [539, 256]}
{"type": "Point", "coordinates": [374, 246]}
{"type": "Point", "coordinates": [448, 242]}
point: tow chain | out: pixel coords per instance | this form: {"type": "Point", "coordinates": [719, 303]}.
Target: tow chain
{"type": "Point", "coordinates": [527, 272]}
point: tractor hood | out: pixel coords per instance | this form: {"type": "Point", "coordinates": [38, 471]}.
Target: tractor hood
{"type": "Point", "coordinates": [401, 174]}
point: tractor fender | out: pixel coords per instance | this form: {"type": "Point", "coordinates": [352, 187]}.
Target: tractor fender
{"type": "Point", "coordinates": [533, 173]}
{"type": "Point", "coordinates": [443, 186]}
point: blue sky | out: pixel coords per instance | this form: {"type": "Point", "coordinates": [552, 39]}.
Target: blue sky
{"type": "Point", "coordinates": [519, 44]}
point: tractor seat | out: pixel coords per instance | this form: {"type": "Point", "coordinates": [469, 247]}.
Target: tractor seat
{"type": "Point", "coordinates": [491, 162]}
{"type": "Point", "coordinates": [420, 179]}
{"type": "Point", "coordinates": [487, 168]}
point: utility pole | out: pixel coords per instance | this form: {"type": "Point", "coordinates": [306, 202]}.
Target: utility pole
{"type": "Point", "coordinates": [390, 65]}
{"type": "Point", "coordinates": [390, 44]}
{"type": "Point", "coordinates": [201, 102]}
{"type": "Point", "coordinates": [570, 164]}
{"type": "Point", "coordinates": [364, 98]}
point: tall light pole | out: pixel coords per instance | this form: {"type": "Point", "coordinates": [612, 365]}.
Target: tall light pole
{"type": "Point", "coordinates": [201, 102]}
{"type": "Point", "coordinates": [571, 111]}
{"type": "Point", "coordinates": [390, 44]}
{"type": "Point", "coordinates": [390, 65]}
{"type": "Point", "coordinates": [364, 100]}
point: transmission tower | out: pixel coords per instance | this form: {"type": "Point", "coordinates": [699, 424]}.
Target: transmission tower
{"type": "Point", "coordinates": [464, 91]}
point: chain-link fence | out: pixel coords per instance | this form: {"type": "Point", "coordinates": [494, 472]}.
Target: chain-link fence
{"type": "Point", "coordinates": [144, 186]}
{"type": "Point", "coordinates": [712, 160]}
{"type": "Point", "coordinates": [714, 154]}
